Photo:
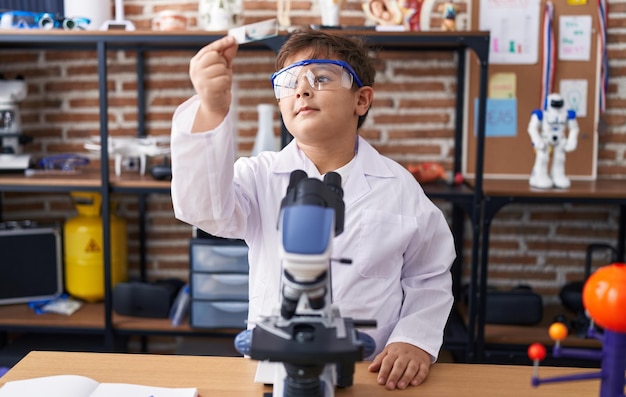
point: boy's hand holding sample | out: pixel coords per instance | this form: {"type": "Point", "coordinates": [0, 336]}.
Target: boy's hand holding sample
{"type": "Point", "coordinates": [397, 240]}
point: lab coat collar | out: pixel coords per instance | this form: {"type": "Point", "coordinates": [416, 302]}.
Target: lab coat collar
{"type": "Point", "coordinates": [368, 162]}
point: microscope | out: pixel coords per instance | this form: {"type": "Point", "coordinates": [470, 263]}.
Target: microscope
{"type": "Point", "coordinates": [317, 347]}
{"type": "Point", "coordinates": [11, 137]}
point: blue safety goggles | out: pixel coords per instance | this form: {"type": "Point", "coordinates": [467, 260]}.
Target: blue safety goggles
{"type": "Point", "coordinates": [321, 74]}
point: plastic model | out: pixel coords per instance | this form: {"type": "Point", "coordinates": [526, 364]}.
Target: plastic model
{"type": "Point", "coordinates": [448, 11]}
{"type": "Point", "coordinates": [547, 132]}
{"type": "Point", "coordinates": [604, 298]}
{"type": "Point", "coordinates": [39, 20]}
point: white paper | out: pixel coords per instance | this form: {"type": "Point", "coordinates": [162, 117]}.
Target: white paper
{"type": "Point", "coordinates": [574, 38]}
{"type": "Point", "coordinates": [82, 386]}
{"type": "Point", "coordinates": [575, 94]}
{"type": "Point", "coordinates": [255, 31]}
{"type": "Point", "coordinates": [128, 390]}
{"type": "Point", "coordinates": [514, 29]}
{"type": "Point", "coordinates": [50, 386]}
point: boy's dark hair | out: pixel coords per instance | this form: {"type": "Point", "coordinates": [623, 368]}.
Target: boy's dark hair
{"type": "Point", "coordinates": [331, 45]}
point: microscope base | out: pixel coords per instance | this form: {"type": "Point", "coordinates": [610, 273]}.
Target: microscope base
{"type": "Point", "coordinates": [275, 374]}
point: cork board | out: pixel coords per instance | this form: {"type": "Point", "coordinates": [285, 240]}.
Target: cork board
{"type": "Point", "coordinates": [508, 151]}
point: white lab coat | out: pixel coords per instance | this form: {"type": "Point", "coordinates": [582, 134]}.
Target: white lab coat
{"type": "Point", "coordinates": [399, 242]}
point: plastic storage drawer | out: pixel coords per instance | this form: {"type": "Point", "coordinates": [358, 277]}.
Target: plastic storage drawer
{"type": "Point", "coordinates": [219, 286]}
{"type": "Point", "coordinates": [218, 314]}
{"type": "Point", "coordinates": [207, 256]}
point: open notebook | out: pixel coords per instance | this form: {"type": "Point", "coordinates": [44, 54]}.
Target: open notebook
{"type": "Point", "coordinates": [82, 386]}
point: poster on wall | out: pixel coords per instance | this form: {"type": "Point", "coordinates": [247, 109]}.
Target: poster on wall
{"type": "Point", "coordinates": [514, 30]}
{"type": "Point", "coordinates": [574, 38]}
{"type": "Point", "coordinates": [575, 93]}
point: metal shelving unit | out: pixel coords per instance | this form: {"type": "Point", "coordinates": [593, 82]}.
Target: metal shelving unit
{"type": "Point", "coordinates": [499, 193]}
{"type": "Point", "coordinates": [465, 199]}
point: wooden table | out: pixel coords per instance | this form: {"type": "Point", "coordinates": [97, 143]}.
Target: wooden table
{"type": "Point", "coordinates": [233, 376]}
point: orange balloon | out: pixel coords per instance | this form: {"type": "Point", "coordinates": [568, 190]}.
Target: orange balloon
{"type": "Point", "coordinates": [604, 297]}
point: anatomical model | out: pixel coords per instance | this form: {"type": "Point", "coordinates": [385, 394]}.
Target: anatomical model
{"type": "Point", "coordinates": [448, 9]}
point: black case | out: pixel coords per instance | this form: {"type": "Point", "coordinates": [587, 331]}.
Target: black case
{"type": "Point", "coordinates": [517, 307]}
{"type": "Point", "coordinates": [30, 264]}
{"type": "Point", "coordinates": [140, 299]}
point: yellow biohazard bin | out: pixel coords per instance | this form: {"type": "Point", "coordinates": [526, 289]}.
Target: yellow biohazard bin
{"type": "Point", "coordinates": [83, 244]}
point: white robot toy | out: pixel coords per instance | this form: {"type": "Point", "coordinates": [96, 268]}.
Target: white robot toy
{"type": "Point", "coordinates": [547, 132]}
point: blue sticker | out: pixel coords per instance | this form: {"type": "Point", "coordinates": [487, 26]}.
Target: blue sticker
{"type": "Point", "coordinates": [500, 118]}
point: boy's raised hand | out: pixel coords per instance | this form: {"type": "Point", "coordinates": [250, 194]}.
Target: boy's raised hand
{"type": "Point", "coordinates": [211, 74]}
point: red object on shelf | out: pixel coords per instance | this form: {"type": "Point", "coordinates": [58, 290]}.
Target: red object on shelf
{"type": "Point", "coordinates": [427, 172]}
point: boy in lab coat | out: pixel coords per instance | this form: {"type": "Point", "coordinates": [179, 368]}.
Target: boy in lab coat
{"type": "Point", "coordinates": [399, 242]}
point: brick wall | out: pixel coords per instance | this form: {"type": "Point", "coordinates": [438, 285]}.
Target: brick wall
{"type": "Point", "coordinates": [412, 120]}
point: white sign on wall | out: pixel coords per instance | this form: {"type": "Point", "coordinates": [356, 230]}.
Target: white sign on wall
{"type": "Point", "coordinates": [514, 29]}
{"type": "Point", "coordinates": [574, 38]}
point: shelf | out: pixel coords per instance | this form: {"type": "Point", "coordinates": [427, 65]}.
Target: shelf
{"type": "Point", "coordinates": [499, 193]}
{"type": "Point", "coordinates": [580, 190]}
{"type": "Point", "coordinates": [519, 337]}
{"type": "Point", "coordinates": [134, 325]}
{"type": "Point", "coordinates": [90, 317]}
{"type": "Point", "coordinates": [189, 40]}
{"type": "Point", "coordinates": [18, 182]}
{"type": "Point", "coordinates": [133, 182]}
{"type": "Point", "coordinates": [87, 179]}
{"type": "Point", "coordinates": [130, 182]}
{"type": "Point", "coordinates": [442, 190]}
{"type": "Point", "coordinates": [525, 335]}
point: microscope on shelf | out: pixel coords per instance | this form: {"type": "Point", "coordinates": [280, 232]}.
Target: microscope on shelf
{"type": "Point", "coordinates": [11, 138]}
{"type": "Point", "coordinates": [317, 347]}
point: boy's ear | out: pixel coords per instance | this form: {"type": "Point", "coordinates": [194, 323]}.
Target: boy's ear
{"type": "Point", "coordinates": [365, 97]}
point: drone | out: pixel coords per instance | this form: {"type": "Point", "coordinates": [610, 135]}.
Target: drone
{"type": "Point", "coordinates": [141, 148]}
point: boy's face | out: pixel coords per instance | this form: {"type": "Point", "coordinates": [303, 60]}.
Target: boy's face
{"type": "Point", "coordinates": [328, 116]}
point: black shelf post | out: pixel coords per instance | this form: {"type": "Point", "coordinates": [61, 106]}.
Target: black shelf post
{"type": "Point", "coordinates": [105, 191]}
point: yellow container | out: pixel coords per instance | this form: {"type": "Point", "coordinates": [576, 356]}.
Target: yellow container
{"type": "Point", "coordinates": [83, 244]}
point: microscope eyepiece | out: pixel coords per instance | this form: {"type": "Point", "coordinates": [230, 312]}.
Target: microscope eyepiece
{"type": "Point", "coordinates": [295, 177]}
{"type": "Point", "coordinates": [333, 181]}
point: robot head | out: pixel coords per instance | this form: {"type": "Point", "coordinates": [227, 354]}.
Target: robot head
{"type": "Point", "coordinates": [555, 101]}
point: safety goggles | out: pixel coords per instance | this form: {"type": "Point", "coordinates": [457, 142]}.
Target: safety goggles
{"type": "Point", "coordinates": [321, 74]}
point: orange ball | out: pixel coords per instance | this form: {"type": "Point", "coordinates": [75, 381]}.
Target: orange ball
{"type": "Point", "coordinates": [604, 297]}
{"type": "Point", "coordinates": [536, 352]}
{"type": "Point", "coordinates": [558, 331]}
